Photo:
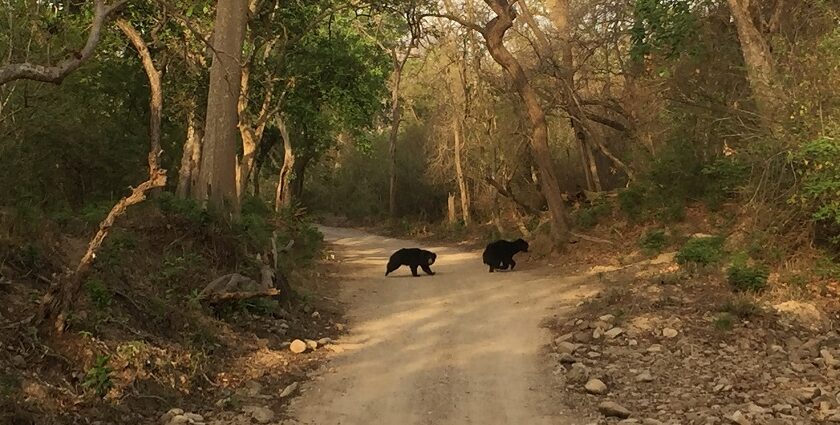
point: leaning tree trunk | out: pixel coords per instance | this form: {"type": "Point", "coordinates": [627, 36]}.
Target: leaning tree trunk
{"type": "Point", "coordinates": [217, 186]}
{"type": "Point", "coordinates": [59, 299]}
{"type": "Point", "coordinates": [494, 34]}
{"type": "Point", "coordinates": [758, 59]}
{"type": "Point", "coordinates": [283, 196]}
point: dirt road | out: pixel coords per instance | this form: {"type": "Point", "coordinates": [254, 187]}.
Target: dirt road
{"type": "Point", "coordinates": [461, 347]}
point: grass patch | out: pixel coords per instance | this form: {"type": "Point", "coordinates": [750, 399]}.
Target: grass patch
{"type": "Point", "coordinates": [741, 307]}
{"type": "Point", "coordinates": [702, 251]}
{"type": "Point", "coordinates": [653, 242]}
{"type": "Point", "coordinates": [744, 278]}
{"type": "Point", "coordinates": [724, 322]}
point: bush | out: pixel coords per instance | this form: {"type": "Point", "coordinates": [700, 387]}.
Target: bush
{"type": "Point", "coordinates": [98, 294]}
{"type": "Point", "coordinates": [701, 251]}
{"type": "Point", "coordinates": [588, 217]}
{"type": "Point", "coordinates": [631, 202]}
{"type": "Point", "coordinates": [819, 162]}
{"type": "Point", "coordinates": [653, 241]}
{"type": "Point", "coordinates": [98, 377]}
{"type": "Point", "coordinates": [743, 278]}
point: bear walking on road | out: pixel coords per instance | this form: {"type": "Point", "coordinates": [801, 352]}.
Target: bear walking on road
{"type": "Point", "coordinates": [499, 254]}
{"type": "Point", "coordinates": [413, 258]}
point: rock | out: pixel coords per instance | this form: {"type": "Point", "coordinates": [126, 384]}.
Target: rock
{"type": "Point", "coordinates": [806, 395]}
{"type": "Point", "coordinates": [612, 409]}
{"type": "Point", "coordinates": [289, 390]}
{"type": "Point", "coordinates": [669, 332]}
{"type": "Point", "coordinates": [316, 315]}
{"type": "Point", "coordinates": [179, 420]}
{"type": "Point", "coordinates": [262, 415]}
{"type": "Point", "coordinates": [339, 327]}
{"type": "Point", "coordinates": [655, 348]}
{"type": "Point", "coordinates": [335, 348]}
{"type": "Point", "coordinates": [596, 334]}
{"type": "Point", "coordinates": [312, 344]}
{"type": "Point", "coordinates": [644, 377]}
{"type": "Point", "coordinates": [614, 332]}
{"type": "Point", "coordinates": [828, 358]}
{"type": "Point", "coordinates": [567, 359]}
{"type": "Point", "coordinates": [577, 373]}
{"type": "Point", "coordinates": [325, 341]}
{"type": "Point", "coordinates": [596, 386]}
{"type": "Point", "coordinates": [564, 337]}
{"type": "Point", "coordinates": [738, 418]}
{"type": "Point", "coordinates": [297, 346]}
{"type": "Point", "coordinates": [252, 388]}
{"type": "Point", "coordinates": [784, 409]}
{"type": "Point", "coordinates": [194, 417]}
{"type": "Point", "coordinates": [608, 318]}
{"type": "Point", "coordinates": [566, 347]}
{"type": "Point", "coordinates": [755, 409]}
{"type": "Point", "coordinates": [18, 361]}
{"type": "Point", "coordinates": [651, 421]}
{"type": "Point", "coordinates": [166, 417]}
{"type": "Point", "coordinates": [582, 337]}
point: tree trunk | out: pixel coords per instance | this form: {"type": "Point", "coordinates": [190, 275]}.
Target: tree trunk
{"type": "Point", "coordinates": [396, 116]}
{"type": "Point", "coordinates": [494, 34]}
{"type": "Point", "coordinates": [759, 61]}
{"type": "Point", "coordinates": [59, 299]}
{"type": "Point", "coordinates": [450, 208]}
{"type": "Point", "coordinates": [251, 133]}
{"type": "Point", "coordinates": [217, 186]}
{"type": "Point", "coordinates": [459, 173]}
{"type": "Point", "coordinates": [191, 157]}
{"type": "Point", "coordinates": [283, 196]}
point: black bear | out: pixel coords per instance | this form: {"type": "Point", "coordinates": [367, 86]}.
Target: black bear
{"type": "Point", "coordinates": [412, 257]}
{"type": "Point", "coordinates": [499, 254]}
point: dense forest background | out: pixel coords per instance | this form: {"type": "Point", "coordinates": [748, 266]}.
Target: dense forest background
{"type": "Point", "coordinates": [240, 124]}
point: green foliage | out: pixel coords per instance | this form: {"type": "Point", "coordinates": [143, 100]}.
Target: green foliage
{"type": "Point", "coordinates": [185, 209]}
{"type": "Point", "coordinates": [631, 201]}
{"type": "Point", "coordinates": [98, 377]}
{"type": "Point", "coordinates": [653, 241]}
{"type": "Point", "coordinates": [590, 216]}
{"type": "Point", "coordinates": [701, 251]}
{"type": "Point", "coordinates": [819, 169]}
{"type": "Point", "coordinates": [744, 278]}
{"type": "Point", "coordinates": [177, 267]}
{"type": "Point", "coordinates": [661, 26]}
{"type": "Point", "coordinates": [724, 322]}
{"type": "Point", "coordinates": [98, 293]}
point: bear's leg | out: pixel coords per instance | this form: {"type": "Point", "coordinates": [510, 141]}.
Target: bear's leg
{"type": "Point", "coordinates": [491, 269]}
{"type": "Point", "coordinates": [391, 267]}
{"type": "Point", "coordinates": [504, 265]}
{"type": "Point", "coordinates": [427, 269]}
{"type": "Point", "coordinates": [414, 270]}
{"type": "Point", "coordinates": [512, 264]}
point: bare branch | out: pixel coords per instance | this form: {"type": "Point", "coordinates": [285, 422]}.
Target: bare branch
{"type": "Point", "coordinates": [56, 74]}
{"type": "Point", "coordinates": [471, 25]}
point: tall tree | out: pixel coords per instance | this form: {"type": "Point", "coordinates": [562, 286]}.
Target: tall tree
{"type": "Point", "coordinates": [217, 177]}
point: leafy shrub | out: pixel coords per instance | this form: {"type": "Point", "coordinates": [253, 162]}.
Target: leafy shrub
{"type": "Point", "coordinates": [701, 251]}
{"type": "Point", "coordinates": [186, 209]}
{"type": "Point", "coordinates": [744, 278]}
{"type": "Point", "coordinates": [819, 162]}
{"type": "Point", "coordinates": [588, 217]}
{"type": "Point", "coordinates": [724, 177]}
{"type": "Point", "coordinates": [653, 241]}
{"type": "Point", "coordinates": [98, 293]}
{"type": "Point", "coordinates": [724, 322]}
{"type": "Point", "coordinates": [631, 202]}
{"type": "Point", "coordinates": [98, 377]}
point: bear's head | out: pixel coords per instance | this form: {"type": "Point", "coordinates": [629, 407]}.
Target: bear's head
{"type": "Point", "coordinates": [521, 245]}
{"type": "Point", "coordinates": [432, 258]}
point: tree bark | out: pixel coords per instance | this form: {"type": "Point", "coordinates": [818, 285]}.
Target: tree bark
{"type": "Point", "coordinates": [56, 74]}
{"type": "Point", "coordinates": [450, 208]}
{"type": "Point", "coordinates": [283, 196]}
{"type": "Point", "coordinates": [494, 33]}
{"type": "Point", "coordinates": [396, 117]}
{"type": "Point", "coordinates": [217, 186]}
{"type": "Point", "coordinates": [459, 172]}
{"type": "Point", "coordinates": [759, 61]}
{"type": "Point", "coordinates": [59, 299]}
{"type": "Point", "coordinates": [191, 157]}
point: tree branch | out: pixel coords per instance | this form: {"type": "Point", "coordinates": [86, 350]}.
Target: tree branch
{"type": "Point", "coordinates": [56, 74]}
{"type": "Point", "coordinates": [471, 25]}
